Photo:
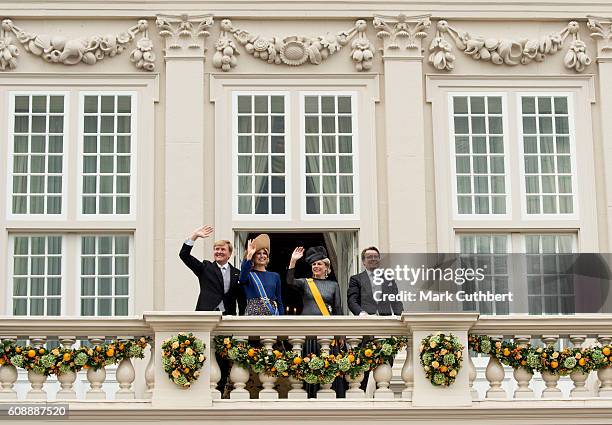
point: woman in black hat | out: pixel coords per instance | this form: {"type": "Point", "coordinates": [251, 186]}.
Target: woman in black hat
{"type": "Point", "coordinates": [319, 288]}
{"type": "Point", "coordinates": [320, 296]}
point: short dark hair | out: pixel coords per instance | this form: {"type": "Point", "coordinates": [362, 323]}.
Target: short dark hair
{"type": "Point", "coordinates": [370, 248]}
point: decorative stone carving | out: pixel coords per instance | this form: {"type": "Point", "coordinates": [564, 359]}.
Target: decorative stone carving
{"type": "Point", "coordinates": [441, 52]}
{"type": "Point", "coordinates": [506, 51]}
{"type": "Point", "coordinates": [402, 32]}
{"type": "Point", "coordinates": [226, 50]}
{"type": "Point", "coordinates": [8, 51]}
{"type": "Point", "coordinates": [59, 49]}
{"type": "Point", "coordinates": [184, 31]}
{"type": "Point", "coordinates": [293, 50]}
{"type": "Point", "coordinates": [601, 30]}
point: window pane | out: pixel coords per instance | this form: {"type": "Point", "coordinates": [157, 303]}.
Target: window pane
{"type": "Point", "coordinates": [548, 156]}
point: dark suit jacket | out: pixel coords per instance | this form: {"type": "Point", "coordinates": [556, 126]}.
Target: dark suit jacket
{"type": "Point", "coordinates": [361, 298]}
{"type": "Point", "coordinates": [211, 284]}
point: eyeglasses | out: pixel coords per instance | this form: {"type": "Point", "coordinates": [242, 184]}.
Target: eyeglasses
{"type": "Point", "coordinates": [372, 257]}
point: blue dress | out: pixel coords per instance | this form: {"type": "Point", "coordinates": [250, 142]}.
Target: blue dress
{"type": "Point", "coordinates": [272, 285]}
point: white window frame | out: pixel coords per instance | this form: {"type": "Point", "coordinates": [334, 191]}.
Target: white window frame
{"type": "Point", "coordinates": [288, 155]}
{"type": "Point", "coordinates": [572, 138]}
{"type": "Point", "coordinates": [133, 159]}
{"type": "Point", "coordinates": [131, 262]}
{"type": "Point", "coordinates": [10, 154]}
{"type": "Point", "coordinates": [221, 87]}
{"type": "Point", "coordinates": [9, 289]}
{"type": "Point", "coordinates": [355, 155]}
{"type": "Point", "coordinates": [582, 88]}
{"type": "Point", "coordinates": [453, 164]}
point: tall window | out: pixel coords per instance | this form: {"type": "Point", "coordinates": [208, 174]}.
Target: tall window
{"type": "Point", "coordinates": [37, 275]}
{"type": "Point", "coordinates": [550, 285]}
{"type": "Point", "coordinates": [329, 151]}
{"type": "Point", "coordinates": [37, 154]}
{"type": "Point", "coordinates": [107, 154]}
{"type": "Point", "coordinates": [547, 155]}
{"type": "Point", "coordinates": [489, 252]}
{"type": "Point", "coordinates": [105, 271]}
{"type": "Point", "coordinates": [480, 172]}
{"type": "Point", "coordinates": [261, 154]}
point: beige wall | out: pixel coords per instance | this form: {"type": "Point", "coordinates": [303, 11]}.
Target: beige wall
{"type": "Point", "coordinates": [174, 286]}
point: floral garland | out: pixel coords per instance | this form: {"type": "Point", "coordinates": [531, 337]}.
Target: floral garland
{"type": "Point", "coordinates": [182, 358]}
{"type": "Point", "coordinates": [543, 359]}
{"type": "Point", "coordinates": [311, 368]}
{"type": "Point", "coordinates": [64, 360]}
{"type": "Point", "coordinates": [441, 358]}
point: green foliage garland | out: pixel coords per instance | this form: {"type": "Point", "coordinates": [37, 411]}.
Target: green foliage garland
{"type": "Point", "coordinates": [63, 360]}
{"type": "Point", "coordinates": [182, 358]}
{"type": "Point", "coordinates": [543, 358]}
{"type": "Point", "coordinates": [311, 368]}
{"type": "Point", "coordinates": [441, 358]}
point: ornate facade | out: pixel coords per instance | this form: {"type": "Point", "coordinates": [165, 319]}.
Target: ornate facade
{"type": "Point", "coordinates": [415, 127]}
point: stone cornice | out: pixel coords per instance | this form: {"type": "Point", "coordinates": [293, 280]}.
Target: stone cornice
{"type": "Point", "coordinates": [449, 9]}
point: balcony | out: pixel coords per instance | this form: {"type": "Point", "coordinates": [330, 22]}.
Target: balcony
{"type": "Point", "coordinates": [140, 391]}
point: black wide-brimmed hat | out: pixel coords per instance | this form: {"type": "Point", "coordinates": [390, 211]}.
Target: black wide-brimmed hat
{"type": "Point", "coordinates": [315, 253]}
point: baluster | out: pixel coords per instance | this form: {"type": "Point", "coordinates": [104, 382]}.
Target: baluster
{"type": "Point", "coordinates": [605, 375]}
{"type": "Point", "coordinates": [125, 376]}
{"type": "Point", "coordinates": [297, 391]}
{"type": "Point", "coordinates": [579, 378]}
{"type": "Point", "coordinates": [495, 374]}
{"type": "Point", "coordinates": [150, 370]}
{"type": "Point", "coordinates": [8, 375]}
{"type": "Point", "coordinates": [37, 380]}
{"type": "Point", "coordinates": [382, 375]}
{"type": "Point", "coordinates": [408, 372]}
{"type": "Point", "coordinates": [215, 374]}
{"type": "Point", "coordinates": [325, 391]}
{"type": "Point", "coordinates": [550, 379]}
{"type": "Point", "coordinates": [67, 380]}
{"type": "Point", "coordinates": [354, 390]}
{"type": "Point", "coordinates": [522, 375]}
{"type": "Point", "coordinates": [472, 374]}
{"type": "Point", "coordinates": [239, 376]}
{"type": "Point", "coordinates": [96, 378]}
{"type": "Point", "coordinates": [268, 392]}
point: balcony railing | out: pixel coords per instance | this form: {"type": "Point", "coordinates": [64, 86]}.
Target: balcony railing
{"type": "Point", "coordinates": [154, 389]}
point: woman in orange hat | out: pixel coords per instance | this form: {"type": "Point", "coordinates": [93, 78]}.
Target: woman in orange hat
{"type": "Point", "coordinates": [262, 288]}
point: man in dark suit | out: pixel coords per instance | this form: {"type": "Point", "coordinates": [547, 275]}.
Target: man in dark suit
{"type": "Point", "coordinates": [219, 289]}
{"type": "Point", "coordinates": [361, 289]}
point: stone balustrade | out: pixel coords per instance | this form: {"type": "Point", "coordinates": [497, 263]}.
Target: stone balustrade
{"type": "Point", "coordinates": [294, 332]}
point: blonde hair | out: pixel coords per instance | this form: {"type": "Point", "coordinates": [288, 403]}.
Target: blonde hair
{"type": "Point", "coordinates": [327, 265]}
{"type": "Point", "coordinates": [222, 242]}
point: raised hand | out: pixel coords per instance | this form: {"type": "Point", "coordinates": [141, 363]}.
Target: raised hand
{"type": "Point", "coordinates": [202, 232]}
{"type": "Point", "coordinates": [296, 255]}
{"type": "Point", "coordinates": [250, 249]}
